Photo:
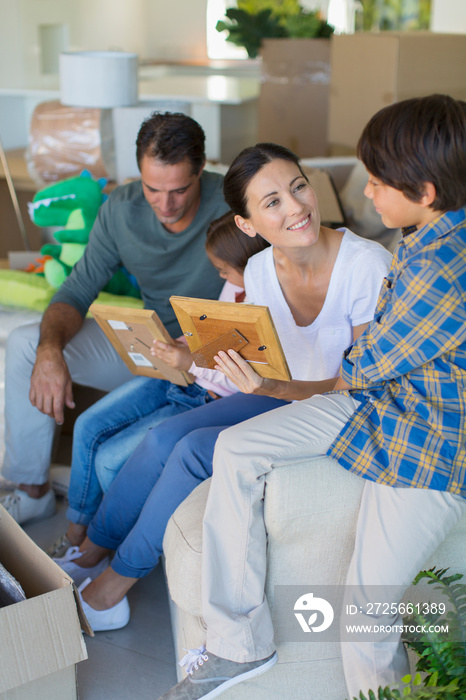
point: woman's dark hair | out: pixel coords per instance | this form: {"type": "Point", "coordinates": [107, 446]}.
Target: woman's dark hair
{"type": "Point", "coordinates": [227, 242]}
{"type": "Point", "coordinates": [171, 137]}
{"type": "Point", "coordinates": [245, 166]}
{"type": "Point", "coordinates": [416, 141]}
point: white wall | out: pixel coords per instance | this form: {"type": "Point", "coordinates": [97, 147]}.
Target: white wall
{"type": "Point", "coordinates": [158, 29]}
{"type": "Point", "coordinates": [87, 24]}
{"type": "Point", "coordinates": [110, 25]}
{"type": "Point", "coordinates": [176, 29]}
{"type": "Point", "coordinates": [448, 16]}
{"type": "Point", "coordinates": [20, 58]}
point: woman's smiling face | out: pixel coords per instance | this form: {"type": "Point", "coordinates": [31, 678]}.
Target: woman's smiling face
{"type": "Point", "coordinates": [282, 206]}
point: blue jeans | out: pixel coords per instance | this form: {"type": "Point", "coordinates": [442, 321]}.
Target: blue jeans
{"type": "Point", "coordinates": [163, 470]}
{"type": "Point", "coordinates": [108, 432]}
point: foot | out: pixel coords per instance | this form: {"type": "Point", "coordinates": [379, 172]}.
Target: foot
{"type": "Point", "coordinates": [73, 537]}
{"type": "Point", "coordinates": [104, 620]}
{"type": "Point", "coordinates": [59, 477]}
{"type": "Point", "coordinates": [59, 547]}
{"type": "Point", "coordinates": [210, 675]}
{"type": "Point", "coordinates": [69, 562]}
{"type": "Point", "coordinates": [25, 509]}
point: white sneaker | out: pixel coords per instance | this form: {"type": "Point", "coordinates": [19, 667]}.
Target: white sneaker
{"type": "Point", "coordinates": [25, 509]}
{"type": "Point", "coordinates": [79, 573]}
{"type": "Point", "coordinates": [104, 620]}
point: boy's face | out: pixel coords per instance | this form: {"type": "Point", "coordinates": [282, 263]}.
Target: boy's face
{"type": "Point", "coordinates": [396, 210]}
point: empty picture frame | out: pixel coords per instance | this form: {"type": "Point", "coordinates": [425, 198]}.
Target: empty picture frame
{"type": "Point", "coordinates": [210, 326]}
{"type": "Point", "coordinates": [131, 332]}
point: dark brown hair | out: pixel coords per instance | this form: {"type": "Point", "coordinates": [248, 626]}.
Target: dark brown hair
{"type": "Point", "coordinates": [227, 242]}
{"type": "Point", "coordinates": [245, 166]}
{"type": "Point", "coordinates": [416, 141]}
{"type": "Point", "coordinates": [171, 137]}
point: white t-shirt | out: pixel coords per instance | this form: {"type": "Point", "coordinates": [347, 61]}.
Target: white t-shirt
{"type": "Point", "coordinates": [314, 352]}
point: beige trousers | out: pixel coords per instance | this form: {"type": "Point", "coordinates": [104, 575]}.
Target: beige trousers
{"type": "Point", "coordinates": [397, 530]}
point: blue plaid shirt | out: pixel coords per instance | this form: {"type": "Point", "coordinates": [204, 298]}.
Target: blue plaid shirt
{"type": "Point", "coordinates": [408, 368]}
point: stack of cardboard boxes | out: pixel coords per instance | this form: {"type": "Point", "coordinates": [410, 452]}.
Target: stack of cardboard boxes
{"type": "Point", "coordinates": [317, 94]}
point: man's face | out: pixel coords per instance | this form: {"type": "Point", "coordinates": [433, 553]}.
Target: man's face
{"type": "Point", "coordinates": [173, 192]}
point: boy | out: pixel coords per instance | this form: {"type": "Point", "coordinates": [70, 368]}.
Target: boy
{"type": "Point", "coordinates": [397, 419]}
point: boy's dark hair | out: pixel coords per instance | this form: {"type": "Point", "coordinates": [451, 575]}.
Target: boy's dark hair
{"type": "Point", "coordinates": [171, 137]}
{"type": "Point", "coordinates": [416, 141]}
{"type": "Point", "coordinates": [245, 166]}
{"type": "Point", "coordinates": [227, 242]}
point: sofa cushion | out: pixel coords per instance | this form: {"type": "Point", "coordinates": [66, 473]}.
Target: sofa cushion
{"type": "Point", "coordinates": [182, 545]}
{"type": "Point", "coordinates": [308, 507]}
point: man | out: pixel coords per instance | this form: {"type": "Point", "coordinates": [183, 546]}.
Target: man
{"type": "Point", "coordinates": [156, 229]}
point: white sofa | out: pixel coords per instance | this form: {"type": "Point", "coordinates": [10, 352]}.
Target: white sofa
{"type": "Point", "coordinates": [310, 513]}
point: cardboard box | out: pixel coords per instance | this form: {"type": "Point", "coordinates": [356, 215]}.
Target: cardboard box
{"type": "Point", "coordinates": [40, 638]}
{"type": "Point", "coordinates": [294, 94]}
{"type": "Point", "coordinates": [371, 71]}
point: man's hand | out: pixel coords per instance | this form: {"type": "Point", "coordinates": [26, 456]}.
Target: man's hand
{"type": "Point", "coordinates": [51, 384]}
{"type": "Point", "coordinates": [177, 356]}
{"type": "Point", "coordinates": [240, 372]}
{"type": "Point", "coordinates": [50, 379]}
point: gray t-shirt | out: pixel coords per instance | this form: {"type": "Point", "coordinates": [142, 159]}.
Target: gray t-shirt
{"type": "Point", "coordinates": [127, 232]}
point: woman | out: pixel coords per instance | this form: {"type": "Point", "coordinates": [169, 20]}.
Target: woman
{"type": "Point", "coordinates": [321, 287]}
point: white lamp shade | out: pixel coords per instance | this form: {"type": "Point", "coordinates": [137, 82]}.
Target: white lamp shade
{"type": "Point", "coordinates": [101, 79]}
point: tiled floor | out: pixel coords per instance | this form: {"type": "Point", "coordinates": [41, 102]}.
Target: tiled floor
{"type": "Point", "coordinates": [137, 661]}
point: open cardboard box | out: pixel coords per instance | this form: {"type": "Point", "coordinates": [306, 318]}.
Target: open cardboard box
{"type": "Point", "coordinates": [40, 638]}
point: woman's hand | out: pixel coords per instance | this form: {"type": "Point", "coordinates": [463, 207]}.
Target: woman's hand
{"type": "Point", "coordinates": [177, 356]}
{"type": "Point", "coordinates": [240, 372]}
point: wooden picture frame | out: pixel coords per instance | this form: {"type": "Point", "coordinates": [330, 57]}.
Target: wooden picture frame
{"type": "Point", "coordinates": [210, 326]}
{"type": "Point", "coordinates": [131, 332]}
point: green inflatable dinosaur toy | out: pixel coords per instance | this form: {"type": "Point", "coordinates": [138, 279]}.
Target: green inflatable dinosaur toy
{"type": "Point", "coordinates": [73, 203]}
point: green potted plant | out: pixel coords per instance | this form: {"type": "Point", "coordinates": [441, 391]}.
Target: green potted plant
{"type": "Point", "coordinates": [255, 20]}
{"type": "Point", "coordinates": [441, 664]}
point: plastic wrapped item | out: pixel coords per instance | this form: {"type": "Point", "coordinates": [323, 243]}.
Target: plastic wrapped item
{"type": "Point", "coordinates": [64, 141]}
{"type": "Point", "coordinates": [10, 590]}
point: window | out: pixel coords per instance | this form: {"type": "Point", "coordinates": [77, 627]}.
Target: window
{"type": "Point", "coordinates": [217, 44]}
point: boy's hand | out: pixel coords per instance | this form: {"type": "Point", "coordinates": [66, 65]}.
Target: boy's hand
{"type": "Point", "coordinates": [177, 356]}
{"type": "Point", "coordinates": [240, 372]}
